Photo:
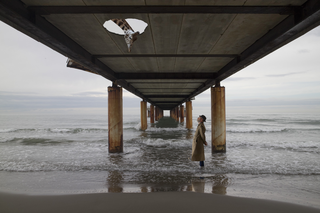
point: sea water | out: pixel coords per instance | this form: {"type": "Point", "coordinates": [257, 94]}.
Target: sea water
{"type": "Point", "coordinates": [271, 156]}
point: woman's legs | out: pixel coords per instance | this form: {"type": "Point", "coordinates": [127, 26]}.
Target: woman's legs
{"type": "Point", "coordinates": [201, 163]}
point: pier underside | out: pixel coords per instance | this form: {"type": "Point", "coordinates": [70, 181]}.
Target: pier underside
{"type": "Point", "coordinates": [188, 46]}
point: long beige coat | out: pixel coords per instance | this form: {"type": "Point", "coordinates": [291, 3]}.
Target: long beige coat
{"type": "Point", "coordinates": [197, 144]}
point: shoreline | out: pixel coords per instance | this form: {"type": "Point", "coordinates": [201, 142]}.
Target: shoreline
{"type": "Point", "coordinates": [143, 202]}
{"type": "Point", "coordinates": [301, 190]}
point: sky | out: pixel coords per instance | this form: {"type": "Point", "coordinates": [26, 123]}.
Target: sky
{"type": "Point", "coordinates": [34, 78]}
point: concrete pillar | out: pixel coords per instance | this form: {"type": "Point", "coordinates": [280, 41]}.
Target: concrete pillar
{"type": "Point", "coordinates": [115, 120]}
{"type": "Point", "coordinates": [177, 114]}
{"type": "Point", "coordinates": [156, 113]}
{"type": "Point", "coordinates": [151, 114]}
{"type": "Point", "coordinates": [143, 113]}
{"type": "Point", "coordinates": [181, 113]}
{"type": "Point", "coordinates": [189, 115]}
{"type": "Point", "coordinates": [218, 119]}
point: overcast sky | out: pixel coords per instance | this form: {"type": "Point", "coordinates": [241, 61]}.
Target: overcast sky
{"type": "Point", "coordinates": [33, 77]}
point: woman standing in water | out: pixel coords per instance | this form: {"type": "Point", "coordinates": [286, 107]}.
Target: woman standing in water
{"type": "Point", "coordinates": [198, 140]}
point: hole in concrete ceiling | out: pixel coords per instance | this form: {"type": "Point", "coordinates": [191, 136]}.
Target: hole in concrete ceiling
{"type": "Point", "coordinates": [130, 28]}
{"type": "Point", "coordinates": [136, 25]}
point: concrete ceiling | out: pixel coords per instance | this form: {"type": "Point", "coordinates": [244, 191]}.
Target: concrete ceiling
{"type": "Point", "coordinates": [188, 46]}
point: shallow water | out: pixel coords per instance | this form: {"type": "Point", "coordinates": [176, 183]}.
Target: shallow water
{"type": "Point", "coordinates": [268, 156]}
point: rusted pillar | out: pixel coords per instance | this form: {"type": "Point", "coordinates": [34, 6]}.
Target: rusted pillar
{"type": "Point", "coordinates": [115, 119]}
{"type": "Point", "coordinates": [189, 115]}
{"type": "Point", "coordinates": [177, 114]}
{"type": "Point", "coordinates": [151, 114]}
{"type": "Point", "coordinates": [181, 113]}
{"type": "Point", "coordinates": [156, 113]}
{"type": "Point", "coordinates": [143, 107]}
{"type": "Point", "coordinates": [218, 119]}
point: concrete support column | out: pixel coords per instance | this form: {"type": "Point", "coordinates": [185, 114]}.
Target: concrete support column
{"type": "Point", "coordinates": [151, 114]}
{"type": "Point", "coordinates": [177, 114]}
{"type": "Point", "coordinates": [189, 115]}
{"type": "Point", "coordinates": [115, 119]}
{"type": "Point", "coordinates": [143, 113]}
{"type": "Point", "coordinates": [218, 119]}
{"type": "Point", "coordinates": [156, 113]}
{"type": "Point", "coordinates": [181, 113]}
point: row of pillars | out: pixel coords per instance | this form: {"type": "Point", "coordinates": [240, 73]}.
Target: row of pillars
{"type": "Point", "coordinates": [177, 113]}
{"type": "Point", "coordinates": [155, 114]}
{"type": "Point", "coordinates": [115, 118]}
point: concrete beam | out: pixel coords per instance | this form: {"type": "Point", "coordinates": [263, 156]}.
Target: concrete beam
{"type": "Point", "coordinates": [48, 10]}
{"type": "Point", "coordinates": [173, 75]}
{"type": "Point", "coordinates": [166, 56]}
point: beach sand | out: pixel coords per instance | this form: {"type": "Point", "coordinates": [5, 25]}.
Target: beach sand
{"type": "Point", "coordinates": [143, 202]}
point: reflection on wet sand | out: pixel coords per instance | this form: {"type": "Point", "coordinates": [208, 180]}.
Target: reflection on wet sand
{"type": "Point", "coordinates": [115, 178]}
{"type": "Point", "coordinates": [198, 185]}
{"type": "Point", "coordinates": [219, 184]}
{"type": "Point", "coordinates": [114, 181]}
{"type": "Point", "coordinates": [147, 178]}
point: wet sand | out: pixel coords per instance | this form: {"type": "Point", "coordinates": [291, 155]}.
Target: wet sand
{"type": "Point", "coordinates": [143, 202]}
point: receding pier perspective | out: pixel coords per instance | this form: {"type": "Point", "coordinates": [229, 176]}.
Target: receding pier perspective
{"type": "Point", "coordinates": [187, 48]}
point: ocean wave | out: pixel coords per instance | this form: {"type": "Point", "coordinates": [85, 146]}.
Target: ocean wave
{"type": "Point", "coordinates": [162, 129]}
{"type": "Point", "coordinates": [161, 143]}
{"type": "Point", "coordinates": [306, 122]}
{"type": "Point", "coordinates": [257, 130]}
{"type": "Point", "coordinates": [37, 141]}
{"type": "Point", "coordinates": [153, 167]}
{"type": "Point", "coordinates": [54, 130]}
{"type": "Point", "coordinates": [310, 147]}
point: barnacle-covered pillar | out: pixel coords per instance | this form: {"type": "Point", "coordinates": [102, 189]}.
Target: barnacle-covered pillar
{"type": "Point", "coordinates": [115, 119]}
{"type": "Point", "coordinates": [218, 119]}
